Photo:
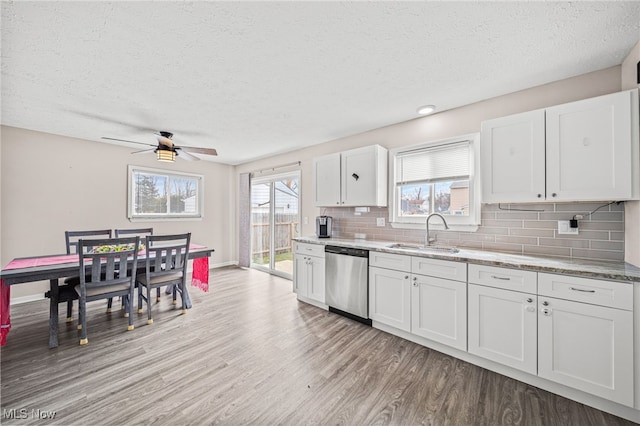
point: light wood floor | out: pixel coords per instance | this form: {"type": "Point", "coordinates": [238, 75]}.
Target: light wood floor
{"type": "Point", "coordinates": [250, 353]}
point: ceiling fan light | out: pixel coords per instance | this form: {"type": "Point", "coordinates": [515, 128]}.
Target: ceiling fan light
{"type": "Point", "coordinates": [166, 155]}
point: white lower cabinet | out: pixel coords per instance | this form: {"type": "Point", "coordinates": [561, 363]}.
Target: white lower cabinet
{"type": "Point", "coordinates": [308, 271]}
{"type": "Point", "coordinates": [429, 306]}
{"type": "Point", "coordinates": [439, 310]}
{"type": "Point", "coordinates": [502, 326]}
{"type": "Point", "coordinates": [390, 297]}
{"type": "Point", "coordinates": [587, 347]}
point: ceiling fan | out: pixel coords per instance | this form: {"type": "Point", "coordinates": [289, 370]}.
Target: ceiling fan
{"type": "Point", "coordinates": [167, 151]}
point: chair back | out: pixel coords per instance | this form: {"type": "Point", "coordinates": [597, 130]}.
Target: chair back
{"type": "Point", "coordinates": [108, 262]}
{"type": "Point", "coordinates": [72, 238]}
{"type": "Point", "coordinates": [167, 255]}
{"type": "Point", "coordinates": [141, 232]}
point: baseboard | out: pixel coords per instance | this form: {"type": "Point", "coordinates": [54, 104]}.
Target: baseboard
{"type": "Point", "coordinates": [223, 264]}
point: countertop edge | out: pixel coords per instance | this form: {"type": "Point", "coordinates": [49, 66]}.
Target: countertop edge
{"type": "Point", "coordinates": [610, 270]}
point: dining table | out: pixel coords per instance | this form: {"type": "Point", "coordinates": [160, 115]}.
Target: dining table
{"type": "Point", "coordinates": [57, 266]}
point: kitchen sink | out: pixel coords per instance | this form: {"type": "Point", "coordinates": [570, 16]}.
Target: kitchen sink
{"type": "Point", "coordinates": [435, 249]}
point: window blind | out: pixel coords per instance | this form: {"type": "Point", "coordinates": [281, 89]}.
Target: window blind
{"type": "Point", "coordinates": [433, 163]}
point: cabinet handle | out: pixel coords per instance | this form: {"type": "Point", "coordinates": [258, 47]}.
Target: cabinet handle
{"type": "Point", "coordinates": [415, 278]}
{"type": "Point", "coordinates": [582, 290]}
{"type": "Point", "coordinates": [529, 300]}
{"type": "Point", "coordinates": [495, 277]}
{"type": "Point", "coordinates": [546, 311]}
{"type": "Point", "coordinates": [539, 195]}
{"type": "Point", "coordinates": [406, 277]}
{"type": "Point", "coordinates": [545, 303]}
{"type": "Point", "coordinates": [554, 195]}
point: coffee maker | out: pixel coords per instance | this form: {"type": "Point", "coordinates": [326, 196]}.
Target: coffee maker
{"type": "Point", "coordinates": [323, 226]}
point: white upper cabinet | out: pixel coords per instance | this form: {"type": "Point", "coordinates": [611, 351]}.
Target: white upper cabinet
{"type": "Point", "coordinates": [580, 151]}
{"type": "Point", "coordinates": [357, 177]}
{"type": "Point", "coordinates": [589, 148]}
{"type": "Point", "coordinates": [512, 158]}
{"type": "Point", "coordinates": [326, 172]}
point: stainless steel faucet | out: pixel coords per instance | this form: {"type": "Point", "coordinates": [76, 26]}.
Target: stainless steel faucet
{"type": "Point", "coordinates": [427, 240]}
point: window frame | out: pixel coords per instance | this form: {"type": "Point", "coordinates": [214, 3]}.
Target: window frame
{"type": "Point", "coordinates": [134, 217]}
{"type": "Point", "coordinates": [455, 222]}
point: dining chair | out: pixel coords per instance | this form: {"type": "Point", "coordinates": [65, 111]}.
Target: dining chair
{"type": "Point", "coordinates": [166, 265]}
{"type": "Point", "coordinates": [141, 232]}
{"type": "Point", "coordinates": [66, 292]}
{"type": "Point", "coordinates": [105, 274]}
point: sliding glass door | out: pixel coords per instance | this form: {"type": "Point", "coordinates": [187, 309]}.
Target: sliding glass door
{"type": "Point", "coordinates": [275, 220]}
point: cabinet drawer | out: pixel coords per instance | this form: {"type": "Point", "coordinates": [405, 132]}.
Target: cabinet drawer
{"type": "Point", "coordinates": [509, 279]}
{"type": "Point", "coordinates": [597, 292]}
{"type": "Point", "coordinates": [398, 262]}
{"type": "Point", "coordinates": [309, 249]}
{"type": "Point", "coordinates": [446, 269]}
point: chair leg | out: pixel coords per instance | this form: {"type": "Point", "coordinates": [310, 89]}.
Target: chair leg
{"type": "Point", "coordinates": [175, 295]}
{"type": "Point", "coordinates": [125, 306]}
{"type": "Point", "coordinates": [109, 304]}
{"type": "Point", "coordinates": [184, 301]}
{"type": "Point", "coordinates": [130, 310]}
{"type": "Point", "coordinates": [82, 309]}
{"type": "Point", "coordinates": [70, 310]}
{"type": "Point", "coordinates": [158, 294]}
{"type": "Point", "coordinates": [140, 290]}
{"type": "Point", "coordinates": [149, 319]}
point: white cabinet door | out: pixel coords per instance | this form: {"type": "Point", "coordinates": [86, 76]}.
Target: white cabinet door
{"type": "Point", "coordinates": [300, 275]}
{"type": "Point", "coordinates": [390, 297]}
{"type": "Point", "coordinates": [439, 310]}
{"type": "Point", "coordinates": [587, 347]}
{"type": "Point", "coordinates": [315, 278]}
{"type": "Point", "coordinates": [513, 158]}
{"type": "Point", "coordinates": [327, 180]}
{"type": "Point", "coordinates": [589, 149]}
{"type": "Point", "coordinates": [502, 326]}
{"type": "Point", "coordinates": [364, 180]}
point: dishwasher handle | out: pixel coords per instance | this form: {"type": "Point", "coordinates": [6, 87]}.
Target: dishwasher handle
{"type": "Point", "coordinates": [347, 251]}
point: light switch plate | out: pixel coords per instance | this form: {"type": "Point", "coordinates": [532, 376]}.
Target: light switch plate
{"type": "Point", "coordinates": [380, 221]}
{"type": "Point", "coordinates": [564, 228]}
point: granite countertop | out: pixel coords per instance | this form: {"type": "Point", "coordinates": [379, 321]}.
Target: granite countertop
{"type": "Point", "coordinates": [613, 270]}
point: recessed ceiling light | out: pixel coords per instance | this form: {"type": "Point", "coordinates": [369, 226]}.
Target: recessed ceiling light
{"type": "Point", "coordinates": [426, 109]}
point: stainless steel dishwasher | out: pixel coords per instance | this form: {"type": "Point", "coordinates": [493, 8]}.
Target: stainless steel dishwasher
{"type": "Point", "coordinates": [346, 274]}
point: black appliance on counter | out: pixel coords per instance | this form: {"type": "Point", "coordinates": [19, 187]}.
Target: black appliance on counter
{"type": "Point", "coordinates": [323, 226]}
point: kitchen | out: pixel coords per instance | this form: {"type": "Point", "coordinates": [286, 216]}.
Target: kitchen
{"type": "Point", "coordinates": [20, 149]}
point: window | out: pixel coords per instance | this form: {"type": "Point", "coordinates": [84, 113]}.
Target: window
{"type": "Point", "coordinates": [436, 177]}
{"type": "Point", "coordinates": [157, 194]}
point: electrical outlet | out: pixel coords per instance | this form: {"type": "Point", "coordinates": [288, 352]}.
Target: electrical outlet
{"type": "Point", "coordinates": [380, 221]}
{"type": "Point", "coordinates": [565, 228]}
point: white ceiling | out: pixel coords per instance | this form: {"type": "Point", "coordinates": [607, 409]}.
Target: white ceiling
{"type": "Point", "coordinates": [253, 79]}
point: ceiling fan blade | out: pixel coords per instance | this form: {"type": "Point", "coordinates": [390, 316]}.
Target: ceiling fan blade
{"type": "Point", "coordinates": [144, 151]}
{"type": "Point", "coordinates": [184, 154]}
{"type": "Point", "coordinates": [207, 151]}
{"type": "Point", "coordinates": [124, 140]}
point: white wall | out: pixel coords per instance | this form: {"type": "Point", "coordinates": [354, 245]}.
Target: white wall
{"type": "Point", "coordinates": [631, 208]}
{"type": "Point", "coordinates": [446, 124]}
{"type": "Point", "coordinates": [53, 183]}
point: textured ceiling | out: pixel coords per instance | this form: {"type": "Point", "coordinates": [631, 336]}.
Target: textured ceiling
{"type": "Point", "coordinates": [253, 79]}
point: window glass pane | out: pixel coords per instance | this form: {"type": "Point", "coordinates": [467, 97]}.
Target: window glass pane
{"type": "Point", "coordinates": [183, 195]}
{"type": "Point", "coordinates": [448, 198]}
{"type": "Point", "coordinates": [157, 194]}
{"type": "Point", "coordinates": [150, 194]}
{"type": "Point", "coordinates": [415, 199]}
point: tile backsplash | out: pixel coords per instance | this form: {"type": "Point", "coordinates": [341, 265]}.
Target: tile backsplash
{"type": "Point", "coordinates": [601, 235]}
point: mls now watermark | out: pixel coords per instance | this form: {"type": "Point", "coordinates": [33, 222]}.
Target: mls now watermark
{"type": "Point", "coordinates": [24, 413]}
